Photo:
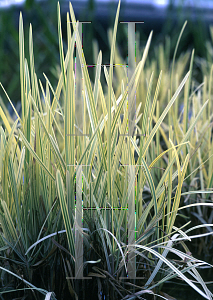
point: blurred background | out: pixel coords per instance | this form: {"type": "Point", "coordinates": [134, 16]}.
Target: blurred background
{"type": "Point", "coordinates": [164, 17]}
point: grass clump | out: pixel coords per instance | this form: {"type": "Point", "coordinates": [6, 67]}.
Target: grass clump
{"type": "Point", "coordinates": [43, 159]}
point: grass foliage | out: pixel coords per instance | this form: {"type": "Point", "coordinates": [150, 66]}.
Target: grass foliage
{"type": "Point", "coordinates": [171, 180]}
